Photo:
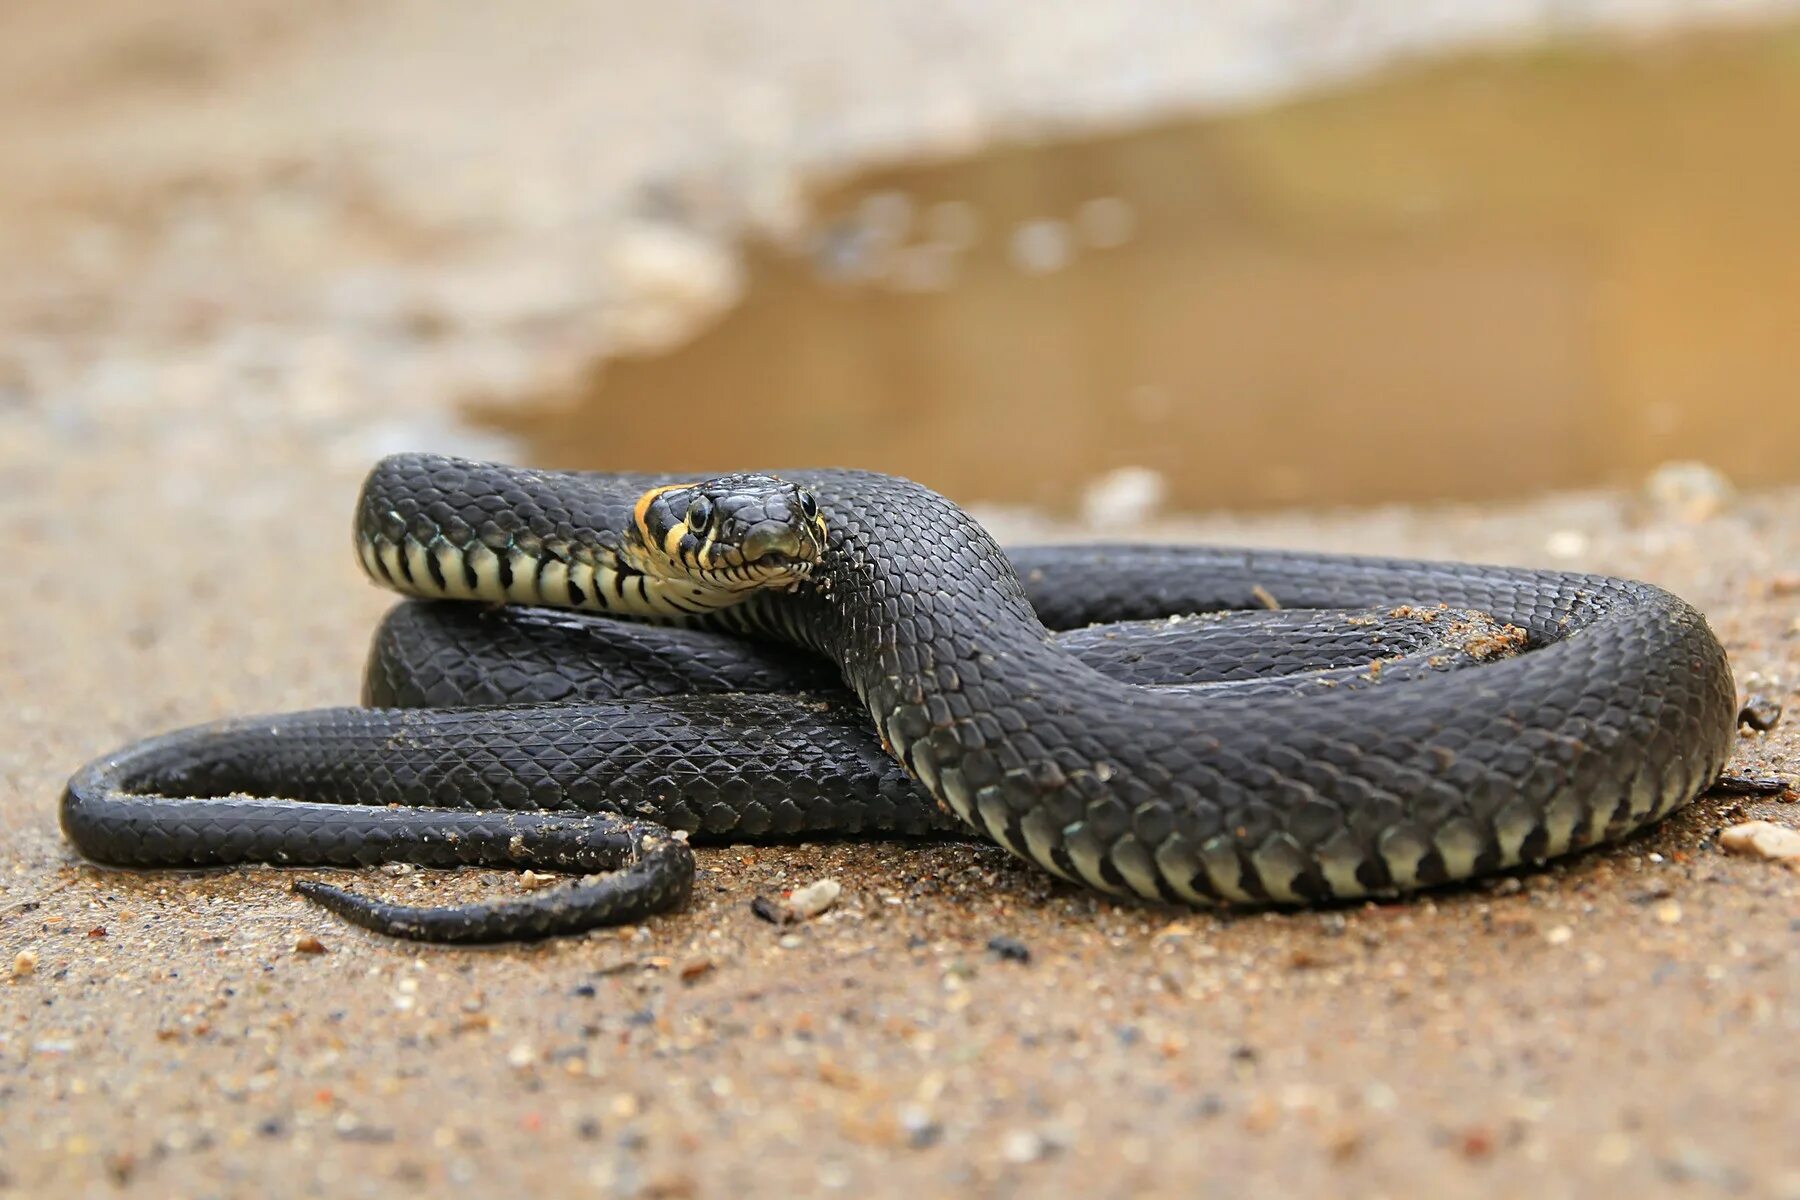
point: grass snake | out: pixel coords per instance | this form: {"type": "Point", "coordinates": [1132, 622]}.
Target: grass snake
{"type": "Point", "coordinates": [834, 652]}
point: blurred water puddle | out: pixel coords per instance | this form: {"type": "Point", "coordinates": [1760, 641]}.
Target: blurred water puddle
{"type": "Point", "coordinates": [1470, 280]}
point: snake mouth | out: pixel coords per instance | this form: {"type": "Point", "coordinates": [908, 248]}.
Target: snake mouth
{"type": "Point", "coordinates": [776, 551]}
{"type": "Point", "coordinates": [775, 570]}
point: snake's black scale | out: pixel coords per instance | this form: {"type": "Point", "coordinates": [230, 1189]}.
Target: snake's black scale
{"type": "Point", "coordinates": [1395, 725]}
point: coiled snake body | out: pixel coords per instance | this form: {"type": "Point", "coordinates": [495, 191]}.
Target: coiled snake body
{"type": "Point", "coordinates": [1337, 727]}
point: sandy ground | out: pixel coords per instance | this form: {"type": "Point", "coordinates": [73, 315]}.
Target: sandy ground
{"type": "Point", "coordinates": [213, 321]}
{"type": "Point", "coordinates": [1628, 1020]}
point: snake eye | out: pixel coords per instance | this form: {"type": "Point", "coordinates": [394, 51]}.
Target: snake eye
{"type": "Point", "coordinates": [699, 514]}
{"type": "Point", "coordinates": [808, 505]}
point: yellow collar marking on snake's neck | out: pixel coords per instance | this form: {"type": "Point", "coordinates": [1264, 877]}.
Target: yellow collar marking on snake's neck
{"type": "Point", "coordinates": [642, 510]}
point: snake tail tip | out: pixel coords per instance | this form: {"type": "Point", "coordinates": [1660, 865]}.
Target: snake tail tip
{"type": "Point", "coordinates": [330, 896]}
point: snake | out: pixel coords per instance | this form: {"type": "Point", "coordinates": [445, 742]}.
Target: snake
{"type": "Point", "coordinates": [591, 670]}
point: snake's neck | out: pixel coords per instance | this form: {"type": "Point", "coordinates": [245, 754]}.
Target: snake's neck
{"type": "Point", "coordinates": [911, 604]}
{"type": "Point", "coordinates": [601, 577]}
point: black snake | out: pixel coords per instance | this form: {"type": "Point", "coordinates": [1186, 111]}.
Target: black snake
{"type": "Point", "coordinates": [842, 652]}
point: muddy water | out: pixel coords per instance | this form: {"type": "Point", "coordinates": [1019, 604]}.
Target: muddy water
{"type": "Point", "coordinates": [1477, 279]}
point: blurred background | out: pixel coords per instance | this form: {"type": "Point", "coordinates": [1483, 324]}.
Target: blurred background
{"type": "Point", "coordinates": [1182, 254]}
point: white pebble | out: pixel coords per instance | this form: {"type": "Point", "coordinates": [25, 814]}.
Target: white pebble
{"type": "Point", "coordinates": [814, 898]}
{"type": "Point", "coordinates": [1566, 544]}
{"type": "Point", "coordinates": [1762, 839]}
{"type": "Point", "coordinates": [1023, 1146]}
{"type": "Point", "coordinates": [1123, 498]}
{"type": "Point", "coordinates": [1041, 247]}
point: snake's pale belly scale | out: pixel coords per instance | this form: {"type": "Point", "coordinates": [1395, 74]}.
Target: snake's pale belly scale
{"type": "Point", "coordinates": [1338, 782]}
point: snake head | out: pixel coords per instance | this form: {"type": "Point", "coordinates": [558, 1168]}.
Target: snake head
{"type": "Point", "coordinates": [736, 533]}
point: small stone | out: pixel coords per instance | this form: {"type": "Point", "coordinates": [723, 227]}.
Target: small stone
{"type": "Point", "coordinates": [1009, 949]}
{"type": "Point", "coordinates": [25, 962]}
{"type": "Point", "coordinates": [1668, 912]}
{"type": "Point", "coordinates": [921, 1128]}
{"type": "Point", "coordinates": [1041, 247]}
{"type": "Point", "coordinates": [1761, 713]}
{"type": "Point", "coordinates": [1124, 497]}
{"type": "Point", "coordinates": [1559, 935]}
{"type": "Point", "coordinates": [1566, 544]}
{"type": "Point", "coordinates": [813, 899]}
{"type": "Point", "coordinates": [308, 944]}
{"type": "Point", "coordinates": [1476, 1143]}
{"type": "Point", "coordinates": [1023, 1146]}
{"type": "Point", "coordinates": [765, 909]}
{"type": "Point", "coordinates": [1760, 839]}
{"type": "Point", "coordinates": [521, 1056]}
{"type": "Point", "coordinates": [695, 968]}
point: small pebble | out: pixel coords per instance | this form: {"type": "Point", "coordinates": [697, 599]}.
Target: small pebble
{"type": "Point", "coordinates": [813, 899]}
{"type": "Point", "coordinates": [1559, 935]}
{"type": "Point", "coordinates": [1760, 839]}
{"type": "Point", "coordinates": [1124, 497]}
{"type": "Point", "coordinates": [1476, 1143]}
{"type": "Point", "coordinates": [1009, 949]}
{"type": "Point", "coordinates": [1023, 1146]}
{"type": "Point", "coordinates": [1668, 912]}
{"type": "Point", "coordinates": [1761, 713]}
{"type": "Point", "coordinates": [25, 962]}
{"type": "Point", "coordinates": [766, 909]}
{"type": "Point", "coordinates": [802, 904]}
{"type": "Point", "coordinates": [308, 944]}
{"type": "Point", "coordinates": [1566, 544]}
{"type": "Point", "coordinates": [1041, 247]}
{"type": "Point", "coordinates": [921, 1128]}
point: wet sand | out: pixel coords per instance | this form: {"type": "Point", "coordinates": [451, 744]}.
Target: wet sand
{"type": "Point", "coordinates": [193, 378]}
